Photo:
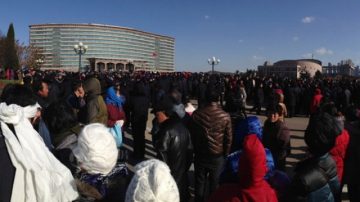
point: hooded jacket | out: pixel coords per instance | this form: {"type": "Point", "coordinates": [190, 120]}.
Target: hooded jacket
{"type": "Point", "coordinates": [114, 104]}
{"type": "Point", "coordinates": [252, 185]}
{"type": "Point", "coordinates": [152, 181]}
{"type": "Point", "coordinates": [315, 102]}
{"type": "Point", "coordinates": [338, 152]}
{"type": "Point", "coordinates": [96, 107]}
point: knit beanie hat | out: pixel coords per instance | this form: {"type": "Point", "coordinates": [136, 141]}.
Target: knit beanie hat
{"type": "Point", "coordinates": [96, 149]}
{"type": "Point", "coordinates": [152, 182]}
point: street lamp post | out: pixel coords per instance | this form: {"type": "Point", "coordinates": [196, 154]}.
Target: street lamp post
{"type": "Point", "coordinates": [80, 49]}
{"type": "Point", "coordinates": [213, 61]}
{"type": "Point", "coordinates": [39, 62]}
{"type": "Point", "coordinates": [131, 66]}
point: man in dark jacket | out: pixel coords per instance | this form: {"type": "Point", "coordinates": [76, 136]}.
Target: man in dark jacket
{"type": "Point", "coordinates": [173, 145]}
{"type": "Point", "coordinates": [211, 132]}
{"type": "Point", "coordinates": [259, 99]}
{"type": "Point", "coordinates": [41, 90]}
{"type": "Point", "coordinates": [291, 99]}
{"type": "Point", "coordinates": [201, 93]}
{"type": "Point", "coordinates": [139, 108]}
{"type": "Point", "coordinates": [76, 99]}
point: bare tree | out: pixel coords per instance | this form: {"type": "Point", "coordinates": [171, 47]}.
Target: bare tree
{"type": "Point", "coordinates": [28, 55]}
{"type": "Point", "coordinates": [20, 50]}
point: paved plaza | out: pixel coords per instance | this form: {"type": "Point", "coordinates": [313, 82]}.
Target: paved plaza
{"type": "Point", "coordinates": [297, 126]}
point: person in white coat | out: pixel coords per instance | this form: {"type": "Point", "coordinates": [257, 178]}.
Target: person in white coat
{"type": "Point", "coordinates": [38, 176]}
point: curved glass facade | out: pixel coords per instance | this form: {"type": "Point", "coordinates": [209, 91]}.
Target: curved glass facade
{"type": "Point", "coordinates": [108, 47]}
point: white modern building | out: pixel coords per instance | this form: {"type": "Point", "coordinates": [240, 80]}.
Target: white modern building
{"type": "Point", "coordinates": [109, 47]}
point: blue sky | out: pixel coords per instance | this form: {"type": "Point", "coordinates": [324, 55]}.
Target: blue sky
{"type": "Point", "coordinates": [241, 33]}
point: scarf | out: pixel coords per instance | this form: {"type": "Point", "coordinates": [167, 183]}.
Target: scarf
{"type": "Point", "coordinates": [39, 175]}
{"type": "Point", "coordinates": [103, 183]}
{"type": "Point", "coordinates": [112, 98]}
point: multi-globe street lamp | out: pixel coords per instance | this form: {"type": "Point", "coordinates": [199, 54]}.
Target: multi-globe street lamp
{"type": "Point", "coordinates": [39, 62]}
{"type": "Point", "coordinates": [213, 61]}
{"type": "Point", "coordinates": [80, 49]}
{"type": "Point", "coordinates": [131, 66]}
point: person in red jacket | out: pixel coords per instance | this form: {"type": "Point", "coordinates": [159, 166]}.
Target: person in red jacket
{"type": "Point", "coordinates": [252, 185]}
{"type": "Point", "coordinates": [338, 152]}
{"type": "Point", "coordinates": [316, 100]}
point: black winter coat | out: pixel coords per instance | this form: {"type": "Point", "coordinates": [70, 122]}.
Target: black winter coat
{"type": "Point", "coordinates": [7, 173]}
{"type": "Point", "coordinates": [174, 147]}
{"type": "Point", "coordinates": [292, 94]}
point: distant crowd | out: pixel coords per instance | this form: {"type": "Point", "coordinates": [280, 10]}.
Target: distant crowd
{"type": "Point", "coordinates": [62, 137]}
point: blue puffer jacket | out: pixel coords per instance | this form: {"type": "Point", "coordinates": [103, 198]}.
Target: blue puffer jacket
{"type": "Point", "coordinates": [230, 172]}
{"type": "Point", "coordinates": [244, 127]}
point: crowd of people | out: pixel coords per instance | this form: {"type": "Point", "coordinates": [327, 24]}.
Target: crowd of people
{"type": "Point", "coordinates": [62, 134]}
